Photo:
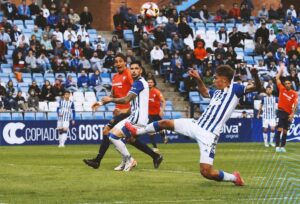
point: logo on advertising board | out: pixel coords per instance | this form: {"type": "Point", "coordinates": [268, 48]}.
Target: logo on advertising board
{"type": "Point", "coordinates": [294, 132]}
{"type": "Point", "coordinates": [231, 130]}
{"type": "Point", "coordinates": [10, 133]}
{"type": "Point", "coordinates": [45, 132]}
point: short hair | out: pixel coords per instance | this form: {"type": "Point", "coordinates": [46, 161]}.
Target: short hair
{"type": "Point", "coordinates": [121, 56]}
{"type": "Point", "coordinates": [225, 71]}
{"type": "Point", "coordinates": [67, 92]}
{"type": "Point", "coordinates": [136, 62]}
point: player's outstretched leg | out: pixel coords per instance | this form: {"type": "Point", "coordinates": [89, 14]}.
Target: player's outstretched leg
{"type": "Point", "coordinates": [95, 162]}
{"type": "Point", "coordinates": [150, 128]}
{"type": "Point", "coordinates": [209, 172]}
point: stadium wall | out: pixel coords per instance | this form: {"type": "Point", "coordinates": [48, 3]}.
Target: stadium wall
{"type": "Point", "coordinates": [90, 132]}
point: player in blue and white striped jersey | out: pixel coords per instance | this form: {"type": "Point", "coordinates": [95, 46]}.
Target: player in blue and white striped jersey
{"type": "Point", "coordinates": [206, 130]}
{"type": "Point", "coordinates": [66, 112]}
{"type": "Point", "coordinates": [268, 109]}
{"type": "Point", "coordinates": [139, 97]}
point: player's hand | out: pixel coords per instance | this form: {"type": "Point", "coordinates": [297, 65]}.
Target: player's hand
{"type": "Point", "coordinates": [73, 122]}
{"type": "Point", "coordinates": [194, 73]}
{"type": "Point", "coordinates": [161, 114]}
{"type": "Point", "coordinates": [96, 105]}
{"type": "Point", "coordinates": [106, 99]}
{"type": "Point", "coordinates": [291, 117]}
{"type": "Point", "coordinates": [258, 116]}
{"type": "Point", "coordinates": [281, 67]}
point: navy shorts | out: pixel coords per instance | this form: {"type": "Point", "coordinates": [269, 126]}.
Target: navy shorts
{"type": "Point", "coordinates": [117, 119]}
{"type": "Point", "coordinates": [283, 120]}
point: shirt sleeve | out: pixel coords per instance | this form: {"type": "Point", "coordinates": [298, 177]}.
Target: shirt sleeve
{"type": "Point", "coordinates": [239, 90]}
{"type": "Point", "coordinates": [211, 92]}
{"type": "Point", "coordinates": [137, 87]}
{"type": "Point", "coordinates": [262, 101]}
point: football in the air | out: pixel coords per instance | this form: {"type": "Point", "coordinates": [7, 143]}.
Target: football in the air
{"type": "Point", "coordinates": [149, 10]}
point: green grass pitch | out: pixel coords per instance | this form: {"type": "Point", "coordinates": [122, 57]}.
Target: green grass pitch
{"type": "Point", "coordinates": [46, 174]}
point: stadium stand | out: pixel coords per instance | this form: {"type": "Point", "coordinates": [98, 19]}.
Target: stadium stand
{"type": "Point", "coordinates": [198, 38]}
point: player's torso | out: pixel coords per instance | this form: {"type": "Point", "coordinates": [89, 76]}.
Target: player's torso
{"type": "Point", "coordinates": [121, 85]}
{"type": "Point", "coordinates": [286, 100]}
{"type": "Point", "coordinates": [269, 107]}
{"type": "Point", "coordinates": [65, 109]}
{"type": "Point", "coordinates": [140, 105]}
{"type": "Point", "coordinates": [219, 110]}
{"type": "Point", "coordinates": [154, 101]}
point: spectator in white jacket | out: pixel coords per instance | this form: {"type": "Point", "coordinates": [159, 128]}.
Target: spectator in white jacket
{"type": "Point", "coordinates": [156, 56]}
{"type": "Point", "coordinates": [292, 11]}
{"type": "Point", "coordinates": [71, 32]}
{"type": "Point", "coordinates": [96, 62]}
{"type": "Point", "coordinates": [58, 34]}
{"type": "Point", "coordinates": [161, 20]}
{"type": "Point", "coordinates": [84, 35]}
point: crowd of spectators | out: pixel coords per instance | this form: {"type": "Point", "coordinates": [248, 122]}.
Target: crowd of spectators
{"type": "Point", "coordinates": [59, 42]}
{"type": "Point", "coordinates": [201, 39]}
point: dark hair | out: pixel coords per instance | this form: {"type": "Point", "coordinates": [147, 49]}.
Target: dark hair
{"type": "Point", "coordinates": [225, 71]}
{"type": "Point", "coordinates": [136, 62]}
{"type": "Point", "coordinates": [121, 56]}
{"type": "Point", "coordinates": [67, 92]}
{"type": "Point", "coordinates": [287, 79]}
{"type": "Point", "coordinates": [153, 79]}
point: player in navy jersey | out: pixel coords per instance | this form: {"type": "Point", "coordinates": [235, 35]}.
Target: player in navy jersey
{"type": "Point", "coordinates": [268, 109]}
{"type": "Point", "coordinates": [138, 96]}
{"type": "Point", "coordinates": [66, 112]}
{"type": "Point", "coordinates": [206, 130]}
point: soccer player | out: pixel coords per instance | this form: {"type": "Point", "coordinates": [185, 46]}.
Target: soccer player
{"type": "Point", "coordinates": [268, 109]}
{"type": "Point", "coordinates": [157, 104]}
{"type": "Point", "coordinates": [121, 85]}
{"type": "Point", "coordinates": [287, 106]}
{"type": "Point", "coordinates": [206, 130]}
{"type": "Point", "coordinates": [66, 112]}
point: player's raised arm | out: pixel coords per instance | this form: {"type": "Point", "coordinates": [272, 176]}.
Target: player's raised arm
{"type": "Point", "coordinates": [280, 71]}
{"type": "Point", "coordinates": [203, 90]}
{"type": "Point", "coordinates": [257, 85]}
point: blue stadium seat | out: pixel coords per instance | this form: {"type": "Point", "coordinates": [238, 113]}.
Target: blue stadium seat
{"type": "Point", "coordinates": [87, 116]}
{"type": "Point", "coordinates": [194, 97]}
{"type": "Point", "coordinates": [27, 80]}
{"type": "Point", "coordinates": [52, 116]}
{"type": "Point", "coordinates": [249, 51]}
{"type": "Point", "coordinates": [106, 80]}
{"type": "Point", "coordinates": [99, 116]}
{"type": "Point", "coordinates": [17, 116]}
{"type": "Point", "coordinates": [92, 31]}
{"type": "Point", "coordinates": [176, 115]}
{"type": "Point", "coordinates": [169, 108]}
{"type": "Point", "coordinates": [29, 116]}
{"type": "Point", "coordinates": [5, 116]}
{"type": "Point", "coordinates": [110, 108]}
{"type": "Point", "coordinates": [78, 116]}
{"type": "Point", "coordinates": [169, 103]}
{"type": "Point", "coordinates": [167, 115]}
{"type": "Point", "coordinates": [3, 76]}
{"type": "Point", "coordinates": [105, 75]}
{"type": "Point", "coordinates": [6, 70]}
{"type": "Point", "coordinates": [29, 22]}
{"type": "Point", "coordinates": [102, 108]}
{"type": "Point", "coordinates": [249, 59]}
{"type": "Point", "coordinates": [108, 115]}
{"type": "Point", "coordinates": [257, 58]}
{"type": "Point", "coordinates": [18, 22]}
{"type": "Point", "coordinates": [6, 66]}
{"type": "Point", "coordinates": [40, 116]}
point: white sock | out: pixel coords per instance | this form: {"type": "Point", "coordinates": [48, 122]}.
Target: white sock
{"type": "Point", "coordinates": [60, 139]}
{"type": "Point", "coordinates": [121, 147]}
{"type": "Point", "coordinates": [64, 138]}
{"type": "Point", "coordinates": [148, 129]}
{"type": "Point", "coordinates": [265, 138]}
{"type": "Point", "coordinates": [228, 176]}
{"type": "Point", "coordinates": [272, 134]}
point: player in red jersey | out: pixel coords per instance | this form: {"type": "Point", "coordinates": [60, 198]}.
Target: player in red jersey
{"type": "Point", "coordinates": [157, 104]}
{"type": "Point", "coordinates": [121, 85]}
{"type": "Point", "coordinates": [287, 106]}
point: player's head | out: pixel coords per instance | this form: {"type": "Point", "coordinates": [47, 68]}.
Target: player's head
{"type": "Point", "coordinates": [67, 95]}
{"type": "Point", "coordinates": [269, 90]}
{"type": "Point", "coordinates": [287, 83]}
{"type": "Point", "coordinates": [223, 76]}
{"type": "Point", "coordinates": [120, 62]}
{"type": "Point", "coordinates": [151, 82]}
{"type": "Point", "coordinates": [136, 69]}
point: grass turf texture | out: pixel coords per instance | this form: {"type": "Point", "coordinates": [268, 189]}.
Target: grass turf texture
{"type": "Point", "coordinates": [46, 174]}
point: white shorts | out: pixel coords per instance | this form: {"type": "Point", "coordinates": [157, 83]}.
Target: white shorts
{"type": "Point", "coordinates": [269, 122]}
{"type": "Point", "coordinates": [206, 140]}
{"type": "Point", "coordinates": [63, 124]}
